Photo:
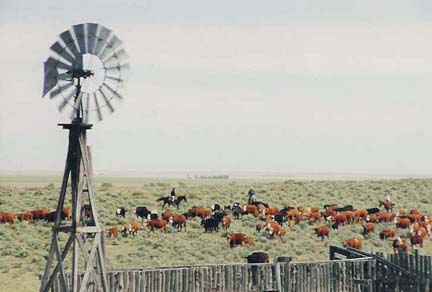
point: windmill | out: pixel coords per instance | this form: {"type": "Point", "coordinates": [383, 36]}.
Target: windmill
{"type": "Point", "coordinates": [84, 74]}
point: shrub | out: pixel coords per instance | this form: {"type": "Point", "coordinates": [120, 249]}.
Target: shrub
{"type": "Point", "coordinates": [106, 185]}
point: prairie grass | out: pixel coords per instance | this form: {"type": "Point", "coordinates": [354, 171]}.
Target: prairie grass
{"type": "Point", "coordinates": [24, 247]}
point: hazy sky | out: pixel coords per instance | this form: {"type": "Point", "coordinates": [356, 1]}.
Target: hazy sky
{"type": "Point", "coordinates": [291, 86]}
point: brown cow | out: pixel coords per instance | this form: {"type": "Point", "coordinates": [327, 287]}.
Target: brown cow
{"type": "Point", "coordinates": [250, 209]}
{"type": "Point", "coordinates": [295, 215]}
{"type": "Point", "coordinates": [400, 243]}
{"type": "Point", "coordinates": [270, 211]}
{"type": "Point", "coordinates": [28, 216]}
{"type": "Point", "coordinates": [7, 218]}
{"type": "Point", "coordinates": [322, 231]}
{"type": "Point", "coordinates": [133, 227]}
{"type": "Point", "coordinates": [350, 216]}
{"type": "Point", "coordinates": [258, 227]}
{"type": "Point", "coordinates": [361, 214]}
{"type": "Point", "coordinates": [402, 223]}
{"type": "Point", "coordinates": [314, 216]}
{"type": "Point", "coordinates": [387, 233]}
{"type": "Point", "coordinates": [112, 231]}
{"type": "Point", "coordinates": [235, 239]}
{"type": "Point", "coordinates": [273, 228]}
{"type": "Point", "coordinates": [226, 222]}
{"type": "Point", "coordinates": [417, 239]}
{"type": "Point", "coordinates": [248, 240]}
{"type": "Point", "coordinates": [166, 215]}
{"type": "Point", "coordinates": [157, 224]}
{"type": "Point", "coordinates": [354, 242]}
{"type": "Point", "coordinates": [368, 228]}
{"type": "Point", "coordinates": [40, 214]}
{"type": "Point", "coordinates": [200, 212]}
{"type": "Point", "coordinates": [178, 221]}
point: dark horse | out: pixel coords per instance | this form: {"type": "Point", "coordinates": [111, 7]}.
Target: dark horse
{"type": "Point", "coordinates": [167, 201]}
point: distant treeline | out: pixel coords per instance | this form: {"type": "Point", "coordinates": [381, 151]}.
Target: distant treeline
{"type": "Point", "coordinates": [211, 177]}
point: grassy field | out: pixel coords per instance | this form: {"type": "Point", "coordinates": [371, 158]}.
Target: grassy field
{"type": "Point", "coordinates": [23, 247]}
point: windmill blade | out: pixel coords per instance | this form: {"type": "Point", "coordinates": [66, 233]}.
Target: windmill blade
{"type": "Point", "coordinates": [60, 89]}
{"type": "Point", "coordinates": [70, 42]}
{"type": "Point", "coordinates": [111, 108]}
{"type": "Point", "coordinates": [98, 109]}
{"type": "Point", "coordinates": [91, 37]}
{"type": "Point", "coordinates": [61, 51]}
{"type": "Point", "coordinates": [80, 35]}
{"type": "Point", "coordinates": [120, 56]}
{"type": "Point", "coordinates": [66, 100]}
{"type": "Point", "coordinates": [113, 44]}
{"type": "Point", "coordinates": [117, 79]}
{"type": "Point", "coordinates": [115, 93]}
{"type": "Point", "coordinates": [120, 68]}
{"type": "Point", "coordinates": [101, 40]}
{"type": "Point", "coordinates": [67, 76]}
{"type": "Point", "coordinates": [51, 73]}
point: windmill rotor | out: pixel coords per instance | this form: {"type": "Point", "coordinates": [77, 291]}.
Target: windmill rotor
{"type": "Point", "coordinates": [86, 71]}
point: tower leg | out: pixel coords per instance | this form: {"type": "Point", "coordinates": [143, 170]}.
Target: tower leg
{"type": "Point", "coordinates": [82, 233]}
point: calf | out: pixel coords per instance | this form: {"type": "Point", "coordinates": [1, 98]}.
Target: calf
{"type": "Point", "coordinates": [354, 242]}
{"type": "Point", "coordinates": [368, 228]}
{"type": "Point", "coordinates": [157, 224]}
{"type": "Point", "coordinates": [248, 240]}
{"type": "Point", "coordinates": [112, 231]}
{"type": "Point", "coordinates": [387, 233]}
{"type": "Point", "coordinates": [133, 227]}
{"type": "Point", "coordinates": [120, 212]}
{"type": "Point", "coordinates": [178, 221]}
{"type": "Point", "coordinates": [235, 239]}
{"type": "Point", "coordinates": [226, 222]}
{"type": "Point", "coordinates": [400, 244]}
{"type": "Point", "coordinates": [322, 231]}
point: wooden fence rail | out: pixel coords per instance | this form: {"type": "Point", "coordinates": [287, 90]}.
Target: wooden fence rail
{"type": "Point", "coordinates": [344, 275]}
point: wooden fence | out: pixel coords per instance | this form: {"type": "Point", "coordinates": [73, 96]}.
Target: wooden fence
{"type": "Point", "coordinates": [344, 275]}
{"type": "Point", "coordinates": [401, 272]}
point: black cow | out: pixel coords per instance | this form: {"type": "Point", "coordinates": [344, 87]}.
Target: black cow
{"type": "Point", "coordinates": [279, 219]}
{"type": "Point", "coordinates": [121, 212]}
{"type": "Point", "coordinates": [257, 258]}
{"type": "Point", "coordinates": [373, 210]}
{"type": "Point", "coordinates": [153, 216]}
{"type": "Point", "coordinates": [210, 224]}
{"type": "Point", "coordinates": [326, 206]}
{"type": "Point", "coordinates": [215, 207]}
{"type": "Point", "coordinates": [50, 217]}
{"type": "Point", "coordinates": [344, 208]}
{"type": "Point", "coordinates": [283, 212]}
{"type": "Point", "coordinates": [142, 212]}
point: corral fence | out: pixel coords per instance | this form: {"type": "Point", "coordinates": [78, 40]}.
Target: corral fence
{"type": "Point", "coordinates": [348, 270]}
{"type": "Point", "coordinates": [401, 272]}
{"type": "Point", "coordinates": [282, 275]}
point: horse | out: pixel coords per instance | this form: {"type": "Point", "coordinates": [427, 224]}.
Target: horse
{"type": "Point", "coordinates": [387, 205]}
{"type": "Point", "coordinates": [167, 201]}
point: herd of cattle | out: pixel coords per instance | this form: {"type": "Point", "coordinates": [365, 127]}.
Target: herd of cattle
{"type": "Point", "coordinates": [272, 220]}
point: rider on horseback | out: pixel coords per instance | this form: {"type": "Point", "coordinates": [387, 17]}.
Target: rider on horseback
{"type": "Point", "coordinates": [173, 196]}
{"type": "Point", "coordinates": [251, 196]}
{"type": "Point", "coordinates": [387, 197]}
